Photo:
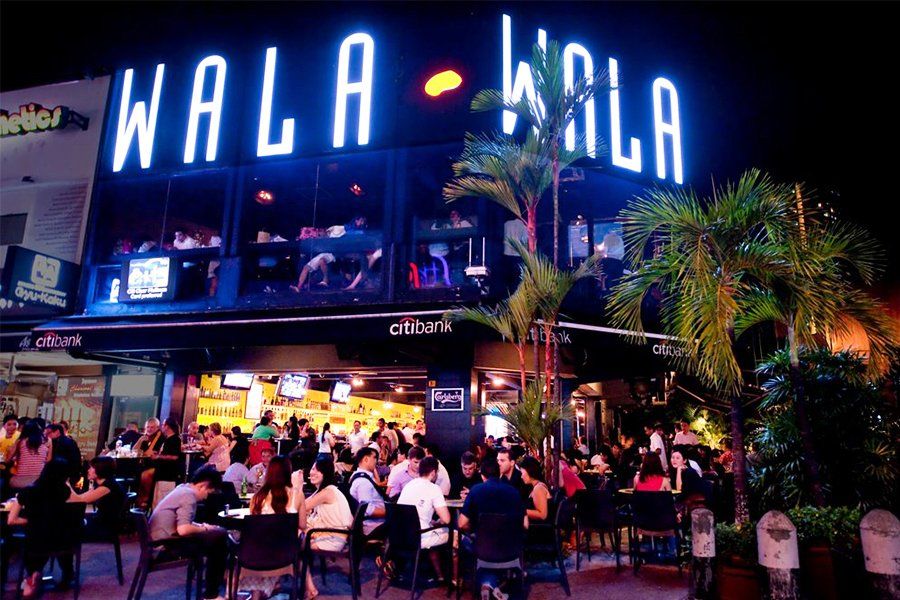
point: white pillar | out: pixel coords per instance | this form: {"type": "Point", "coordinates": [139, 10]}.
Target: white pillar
{"type": "Point", "coordinates": [776, 545]}
{"type": "Point", "coordinates": [703, 548]}
{"type": "Point", "coordinates": [880, 534]}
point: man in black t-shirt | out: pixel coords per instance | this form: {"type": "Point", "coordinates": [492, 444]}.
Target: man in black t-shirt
{"type": "Point", "coordinates": [468, 476]}
{"type": "Point", "coordinates": [165, 462]}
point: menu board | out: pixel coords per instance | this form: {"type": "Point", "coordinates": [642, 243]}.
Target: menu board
{"type": "Point", "coordinates": [79, 400]}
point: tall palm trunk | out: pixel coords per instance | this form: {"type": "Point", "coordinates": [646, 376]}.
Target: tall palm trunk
{"type": "Point", "coordinates": [810, 459]}
{"type": "Point", "coordinates": [531, 226]}
{"type": "Point", "coordinates": [739, 466]}
{"type": "Point", "coordinates": [739, 463]}
{"type": "Point", "coordinates": [555, 200]}
{"type": "Point", "coordinates": [520, 348]}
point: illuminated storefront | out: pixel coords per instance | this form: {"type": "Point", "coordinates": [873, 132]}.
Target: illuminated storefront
{"type": "Point", "coordinates": [276, 209]}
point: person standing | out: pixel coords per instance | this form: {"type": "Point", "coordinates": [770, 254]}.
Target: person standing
{"type": "Point", "coordinates": [686, 437]}
{"type": "Point", "coordinates": [657, 445]}
{"type": "Point", "coordinates": [326, 442]}
{"type": "Point", "coordinates": [357, 438]}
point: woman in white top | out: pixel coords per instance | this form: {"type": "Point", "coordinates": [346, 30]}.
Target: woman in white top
{"type": "Point", "coordinates": [281, 493]}
{"type": "Point", "coordinates": [326, 442]}
{"type": "Point", "coordinates": [216, 448]}
{"type": "Point", "coordinates": [327, 508]}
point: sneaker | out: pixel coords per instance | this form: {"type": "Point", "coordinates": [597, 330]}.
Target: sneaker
{"type": "Point", "coordinates": [486, 592]}
{"type": "Point", "coordinates": [498, 594]}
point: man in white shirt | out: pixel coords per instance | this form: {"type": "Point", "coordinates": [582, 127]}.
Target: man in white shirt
{"type": "Point", "coordinates": [257, 475]}
{"type": "Point", "coordinates": [408, 433]}
{"type": "Point", "coordinates": [442, 479]}
{"type": "Point", "coordinates": [657, 445]}
{"type": "Point", "coordinates": [686, 436]}
{"type": "Point", "coordinates": [392, 436]}
{"type": "Point", "coordinates": [184, 242]}
{"type": "Point", "coordinates": [362, 488]}
{"type": "Point", "coordinates": [428, 500]}
{"type": "Point", "coordinates": [357, 438]}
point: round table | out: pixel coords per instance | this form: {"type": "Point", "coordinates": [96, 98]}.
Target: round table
{"type": "Point", "coordinates": [455, 503]}
{"type": "Point", "coordinates": [187, 462]}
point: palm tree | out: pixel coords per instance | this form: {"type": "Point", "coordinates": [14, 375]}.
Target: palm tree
{"type": "Point", "coordinates": [531, 419]}
{"type": "Point", "coordinates": [712, 250]}
{"type": "Point", "coordinates": [499, 168]}
{"type": "Point", "coordinates": [557, 106]}
{"type": "Point", "coordinates": [817, 294]}
{"type": "Point", "coordinates": [548, 286]}
{"type": "Point", "coordinates": [511, 318]}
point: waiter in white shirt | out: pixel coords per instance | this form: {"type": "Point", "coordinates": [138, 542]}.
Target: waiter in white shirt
{"type": "Point", "coordinates": [686, 436]}
{"type": "Point", "coordinates": [657, 445]}
{"type": "Point", "coordinates": [357, 438]}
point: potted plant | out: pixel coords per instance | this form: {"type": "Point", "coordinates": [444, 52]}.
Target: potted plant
{"type": "Point", "coordinates": [828, 540]}
{"type": "Point", "coordinates": [736, 567]}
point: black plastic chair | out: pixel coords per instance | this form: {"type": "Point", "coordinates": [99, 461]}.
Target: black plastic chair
{"type": "Point", "coordinates": [545, 539]}
{"type": "Point", "coordinates": [154, 558]}
{"type": "Point", "coordinates": [66, 542]}
{"type": "Point", "coordinates": [499, 544]}
{"type": "Point", "coordinates": [112, 535]}
{"type": "Point", "coordinates": [596, 511]}
{"type": "Point", "coordinates": [653, 515]}
{"type": "Point", "coordinates": [267, 542]}
{"type": "Point", "coordinates": [349, 551]}
{"type": "Point", "coordinates": [404, 541]}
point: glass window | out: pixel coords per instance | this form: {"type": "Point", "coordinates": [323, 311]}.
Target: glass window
{"type": "Point", "coordinates": [315, 228]}
{"type": "Point", "coordinates": [447, 245]}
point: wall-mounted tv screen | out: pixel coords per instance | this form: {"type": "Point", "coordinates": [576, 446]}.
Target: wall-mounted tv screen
{"type": "Point", "coordinates": [148, 279]}
{"type": "Point", "coordinates": [237, 381]}
{"type": "Point", "coordinates": [341, 392]}
{"type": "Point", "coordinates": [293, 385]}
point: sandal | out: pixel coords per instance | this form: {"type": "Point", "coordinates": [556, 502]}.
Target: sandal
{"type": "Point", "coordinates": [387, 567]}
{"type": "Point", "coordinates": [31, 586]}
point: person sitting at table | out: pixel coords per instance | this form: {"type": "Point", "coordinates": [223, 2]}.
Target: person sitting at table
{"type": "Point", "coordinates": [257, 474]}
{"type": "Point", "coordinates": [538, 504]}
{"type": "Point", "coordinates": [400, 476]}
{"type": "Point", "coordinates": [490, 497]}
{"type": "Point", "coordinates": [192, 433]}
{"type": "Point", "coordinates": [651, 477]}
{"type": "Point", "coordinates": [468, 476]}
{"type": "Point", "coordinates": [106, 495]}
{"type": "Point", "coordinates": [442, 480]}
{"type": "Point", "coordinates": [165, 462]}
{"type": "Point", "coordinates": [602, 461]}
{"type": "Point", "coordinates": [278, 495]}
{"type": "Point", "coordinates": [423, 493]}
{"type": "Point", "coordinates": [30, 453]}
{"type": "Point", "coordinates": [172, 524]}
{"type": "Point", "coordinates": [264, 431]}
{"type": "Point", "coordinates": [509, 473]}
{"type": "Point", "coordinates": [129, 437]}
{"type": "Point", "coordinates": [39, 507]}
{"type": "Point", "coordinates": [215, 448]}
{"type": "Point", "coordinates": [344, 465]}
{"type": "Point", "coordinates": [568, 479]}
{"type": "Point", "coordinates": [151, 442]}
{"type": "Point", "coordinates": [237, 471]}
{"type": "Point", "coordinates": [66, 448]}
{"type": "Point", "coordinates": [364, 488]}
{"type": "Point", "coordinates": [326, 508]}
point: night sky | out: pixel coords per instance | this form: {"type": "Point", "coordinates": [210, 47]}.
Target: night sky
{"type": "Point", "coordinates": [801, 90]}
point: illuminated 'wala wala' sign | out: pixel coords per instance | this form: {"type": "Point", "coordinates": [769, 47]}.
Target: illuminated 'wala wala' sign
{"type": "Point", "coordinates": [281, 103]}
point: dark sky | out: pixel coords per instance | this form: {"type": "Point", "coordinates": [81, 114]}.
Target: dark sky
{"type": "Point", "coordinates": [803, 90]}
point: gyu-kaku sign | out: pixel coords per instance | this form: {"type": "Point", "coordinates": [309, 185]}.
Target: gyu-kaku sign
{"type": "Point", "coordinates": [136, 120]}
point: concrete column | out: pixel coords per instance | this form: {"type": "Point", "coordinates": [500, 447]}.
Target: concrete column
{"type": "Point", "coordinates": [776, 545]}
{"type": "Point", "coordinates": [880, 534]}
{"type": "Point", "coordinates": [703, 549]}
{"type": "Point", "coordinates": [448, 426]}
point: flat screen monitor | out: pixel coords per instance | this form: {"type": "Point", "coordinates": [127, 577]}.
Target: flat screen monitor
{"type": "Point", "coordinates": [293, 385]}
{"type": "Point", "coordinates": [148, 279]}
{"type": "Point", "coordinates": [341, 392]}
{"type": "Point", "coordinates": [237, 381]}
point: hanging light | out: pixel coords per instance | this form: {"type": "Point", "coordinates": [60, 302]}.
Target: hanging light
{"type": "Point", "coordinates": [357, 382]}
{"type": "Point", "coordinates": [265, 197]}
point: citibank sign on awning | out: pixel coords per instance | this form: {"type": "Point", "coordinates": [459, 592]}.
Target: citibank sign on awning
{"type": "Point", "coordinates": [37, 279]}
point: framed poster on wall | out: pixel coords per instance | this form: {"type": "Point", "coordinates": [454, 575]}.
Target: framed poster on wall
{"type": "Point", "coordinates": [447, 399]}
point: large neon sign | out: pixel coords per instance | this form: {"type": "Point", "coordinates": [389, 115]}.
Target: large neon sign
{"type": "Point", "coordinates": [354, 96]}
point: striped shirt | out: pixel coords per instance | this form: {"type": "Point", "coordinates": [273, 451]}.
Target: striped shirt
{"type": "Point", "coordinates": [29, 464]}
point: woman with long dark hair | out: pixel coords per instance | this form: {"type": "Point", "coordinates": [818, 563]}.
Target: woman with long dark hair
{"type": "Point", "coordinates": [651, 477]}
{"type": "Point", "coordinates": [107, 495]}
{"type": "Point", "coordinates": [326, 508]}
{"type": "Point", "coordinates": [29, 456]}
{"type": "Point", "coordinates": [41, 508]}
{"type": "Point", "coordinates": [538, 506]}
{"type": "Point", "coordinates": [278, 495]}
{"type": "Point", "coordinates": [326, 442]}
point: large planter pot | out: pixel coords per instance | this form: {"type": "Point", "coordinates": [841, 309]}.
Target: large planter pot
{"type": "Point", "coordinates": [817, 573]}
{"type": "Point", "coordinates": [737, 580]}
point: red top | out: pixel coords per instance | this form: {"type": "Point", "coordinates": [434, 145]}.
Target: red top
{"type": "Point", "coordinates": [570, 480]}
{"type": "Point", "coordinates": [652, 484]}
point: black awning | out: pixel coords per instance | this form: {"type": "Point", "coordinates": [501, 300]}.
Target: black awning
{"type": "Point", "coordinates": [189, 332]}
